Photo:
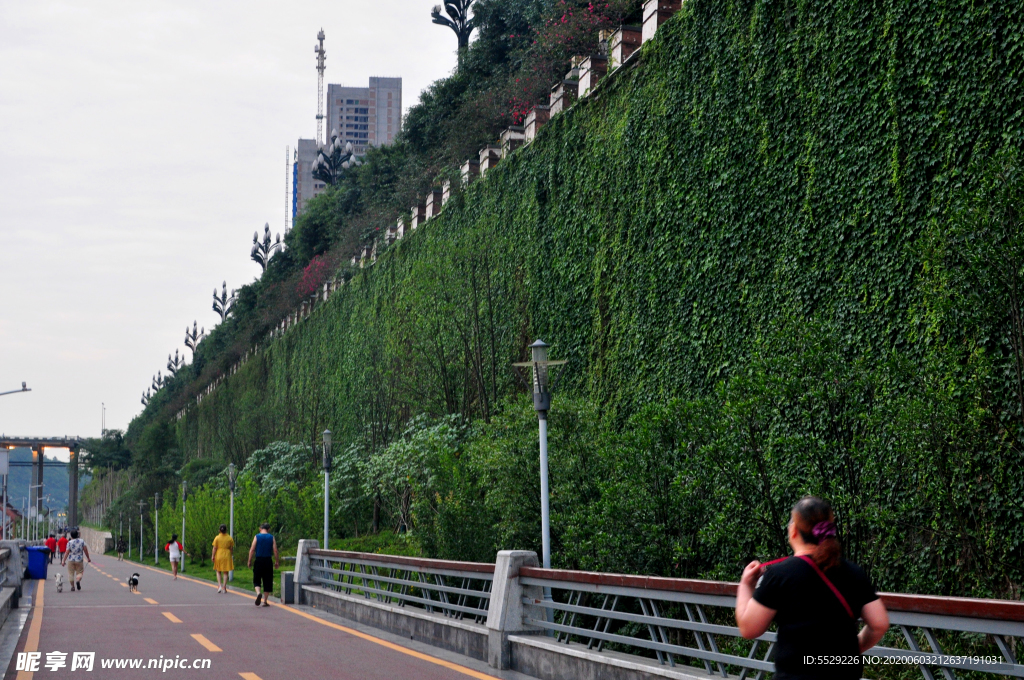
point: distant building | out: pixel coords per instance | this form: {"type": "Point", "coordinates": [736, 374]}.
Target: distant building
{"type": "Point", "coordinates": [304, 187]}
{"type": "Point", "coordinates": [365, 116]}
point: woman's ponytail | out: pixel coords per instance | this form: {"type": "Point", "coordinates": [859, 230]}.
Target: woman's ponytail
{"type": "Point", "coordinates": [816, 523]}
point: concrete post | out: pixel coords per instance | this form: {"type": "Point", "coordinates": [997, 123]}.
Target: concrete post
{"type": "Point", "coordinates": [302, 573]}
{"type": "Point", "coordinates": [15, 568]}
{"type": "Point", "coordinates": [505, 614]}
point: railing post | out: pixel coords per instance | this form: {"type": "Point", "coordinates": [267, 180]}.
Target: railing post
{"type": "Point", "coordinates": [505, 614]}
{"type": "Point", "coordinates": [302, 573]}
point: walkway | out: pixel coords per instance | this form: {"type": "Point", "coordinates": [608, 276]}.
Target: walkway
{"type": "Point", "coordinates": [186, 621]}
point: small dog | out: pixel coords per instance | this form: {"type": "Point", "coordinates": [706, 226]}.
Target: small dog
{"type": "Point", "coordinates": [58, 578]}
{"type": "Point", "coordinates": [133, 583]}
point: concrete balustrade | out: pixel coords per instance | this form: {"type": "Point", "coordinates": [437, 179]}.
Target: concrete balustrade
{"type": "Point", "coordinates": [446, 192]}
{"type": "Point", "coordinates": [623, 43]}
{"type": "Point", "coordinates": [592, 69]}
{"type": "Point", "coordinates": [657, 12]}
{"type": "Point", "coordinates": [470, 171]}
{"type": "Point", "coordinates": [511, 139]}
{"type": "Point", "coordinates": [417, 216]}
{"type": "Point", "coordinates": [535, 119]}
{"type": "Point", "coordinates": [433, 205]}
{"type": "Point", "coordinates": [564, 93]}
{"type": "Point", "coordinates": [490, 156]}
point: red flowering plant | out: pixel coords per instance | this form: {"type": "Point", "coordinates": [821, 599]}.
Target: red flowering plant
{"type": "Point", "coordinates": [313, 276]}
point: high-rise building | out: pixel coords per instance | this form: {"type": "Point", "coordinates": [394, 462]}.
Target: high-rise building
{"type": "Point", "coordinates": [366, 116]}
{"type": "Point", "coordinates": [304, 187]}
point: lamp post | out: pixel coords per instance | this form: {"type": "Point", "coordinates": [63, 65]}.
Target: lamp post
{"type": "Point", "coordinates": [142, 524]}
{"type": "Point", "coordinates": [24, 388]}
{"type": "Point", "coordinates": [327, 486]}
{"type": "Point", "coordinates": [540, 367]}
{"type": "Point", "coordinates": [156, 528]}
{"type": "Point", "coordinates": [129, 537]}
{"type": "Point", "coordinates": [232, 475]}
{"type": "Point", "coordinates": [184, 501]}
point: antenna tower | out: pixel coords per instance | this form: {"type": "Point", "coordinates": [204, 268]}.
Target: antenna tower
{"type": "Point", "coordinates": [321, 58]}
{"type": "Point", "coordinates": [287, 186]}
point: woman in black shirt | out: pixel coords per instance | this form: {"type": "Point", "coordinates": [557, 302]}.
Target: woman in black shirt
{"type": "Point", "coordinates": [816, 598]}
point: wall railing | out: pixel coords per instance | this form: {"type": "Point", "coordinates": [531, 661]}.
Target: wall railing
{"type": "Point", "coordinates": [458, 590]}
{"type": "Point", "coordinates": [678, 620]}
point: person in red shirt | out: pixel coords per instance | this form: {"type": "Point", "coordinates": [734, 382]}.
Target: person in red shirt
{"type": "Point", "coordinates": [62, 546]}
{"type": "Point", "coordinates": [51, 543]}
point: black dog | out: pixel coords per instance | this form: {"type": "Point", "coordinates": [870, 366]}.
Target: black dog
{"type": "Point", "coordinates": [133, 583]}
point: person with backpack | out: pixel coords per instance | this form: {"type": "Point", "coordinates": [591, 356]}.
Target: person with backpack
{"type": "Point", "coordinates": [816, 598]}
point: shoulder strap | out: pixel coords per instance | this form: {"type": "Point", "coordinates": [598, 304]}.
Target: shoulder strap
{"type": "Point", "coordinates": [835, 591]}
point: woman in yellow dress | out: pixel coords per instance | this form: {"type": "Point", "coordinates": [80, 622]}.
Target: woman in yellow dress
{"type": "Point", "coordinates": [223, 557]}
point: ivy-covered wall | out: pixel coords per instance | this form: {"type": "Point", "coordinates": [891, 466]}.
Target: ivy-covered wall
{"type": "Point", "coordinates": [762, 164]}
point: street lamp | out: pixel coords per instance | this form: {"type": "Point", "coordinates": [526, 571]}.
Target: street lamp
{"type": "Point", "coordinates": [142, 524]}
{"type": "Point", "coordinates": [24, 388]}
{"type": "Point", "coordinates": [541, 381]}
{"type": "Point", "coordinates": [327, 485]}
{"type": "Point", "coordinates": [184, 501]}
{"type": "Point", "coordinates": [156, 528]}
{"type": "Point", "coordinates": [232, 475]}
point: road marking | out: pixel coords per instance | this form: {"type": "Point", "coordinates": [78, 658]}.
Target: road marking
{"type": "Point", "coordinates": [171, 617]}
{"type": "Point", "coordinates": [250, 676]}
{"type": "Point", "coordinates": [150, 600]}
{"type": "Point", "coordinates": [390, 645]}
{"type": "Point", "coordinates": [124, 585]}
{"type": "Point", "coordinates": [201, 639]}
{"type": "Point", "coordinates": [32, 641]}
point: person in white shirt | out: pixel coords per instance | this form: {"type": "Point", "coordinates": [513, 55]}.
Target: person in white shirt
{"type": "Point", "coordinates": [176, 552]}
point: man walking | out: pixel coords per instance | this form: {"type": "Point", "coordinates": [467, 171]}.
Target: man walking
{"type": "Point", "coordinates": [264, 550]}
{"type": "Point", "coordinates": [51, 545]}
{"type": "Point", "coordinates": [62, 546]}
{"type": "Point", "coordinates": [74, 557]}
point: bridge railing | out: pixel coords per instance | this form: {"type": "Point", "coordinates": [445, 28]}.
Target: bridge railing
{"type": "Point", "coordinates": [459, 590]}
{"type": "Point", "coordinates": [5, 566]}
{"type": "Point", "coordinates": [679, 621]}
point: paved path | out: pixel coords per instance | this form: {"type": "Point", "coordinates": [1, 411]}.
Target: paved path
{"type": "Point", "coordinates": [187, 620]}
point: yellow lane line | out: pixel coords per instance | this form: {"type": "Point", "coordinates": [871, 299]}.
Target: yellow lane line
{"type": "Point", "coordinates": [250, 676]}
{"type": "Point", "coordinates": [150, 600]}
{"type": "Point", "coordinates": [390, 645]}
{"type": "Point", "coordinates": [171, 617]}
{"type": "Point", "coordinates": [201, 639]}
{"type": "Point", "coordinates": [32, 641]}
{"type": "Point", "coordinates": [124, 585]}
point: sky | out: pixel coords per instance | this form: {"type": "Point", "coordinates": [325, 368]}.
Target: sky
{"type": "Point", "coordinates": [141, 145]}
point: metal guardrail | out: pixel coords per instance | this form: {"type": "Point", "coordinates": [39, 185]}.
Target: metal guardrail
{"type": "Point", "coordinates": [5, 559]}
{"type": "Point", "coordinates": [658, 616]}
{"type": "Point", "coordinates": [457, 590]}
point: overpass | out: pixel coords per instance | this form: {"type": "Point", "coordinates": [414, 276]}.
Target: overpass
{"type": "Point", "coordinates": [371, 616]}
{"type": "Point", "coordinates": [37, 444]}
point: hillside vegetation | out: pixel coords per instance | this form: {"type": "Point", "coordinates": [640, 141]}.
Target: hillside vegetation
{"type": "Point", "coordinates": [781, 251]}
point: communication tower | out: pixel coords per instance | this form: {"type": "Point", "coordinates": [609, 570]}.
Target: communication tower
{"type": "Point", "coordinates": [321, 58]}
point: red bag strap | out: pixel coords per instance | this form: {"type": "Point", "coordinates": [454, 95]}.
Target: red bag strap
{"type": "Point", "coordinates": [839, 595]}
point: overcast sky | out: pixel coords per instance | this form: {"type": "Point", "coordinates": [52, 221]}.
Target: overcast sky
{"type": "Point", "coordinates": [142, 144]}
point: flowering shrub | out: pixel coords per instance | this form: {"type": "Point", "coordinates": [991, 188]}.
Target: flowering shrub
{"type": "Point", "coordinates": [313, 276]}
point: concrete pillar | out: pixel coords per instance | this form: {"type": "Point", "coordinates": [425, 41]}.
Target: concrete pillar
{"type": "Point", "coordinates": [624, 42]}
{"type": "Point", "coordinates": [302, 572]}
{"type": "Point", "coordinates": [511, 139]}
{"type": "Point", "coordinates": [535, 119]}
{"type": "Point", "coordinates": [657, 12]}
{"type": "Point", "coordinates": [73, 489]}
{"type": "Point", "coordinates": [470, 171]}
{"type": "Point", "coordinates": [505, 614]}
{"type": "Point", "coordinates": [15, 567]}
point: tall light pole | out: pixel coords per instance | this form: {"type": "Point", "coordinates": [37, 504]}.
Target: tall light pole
{"type": "Point", "coordinates": [232, 476]}
{"type": "Point", "coordinates": [24, 388]}
{"type": "Point", "coordinates": [129, 537]}
{"type": "Point", "coordinates": [142, 524]}
{"type": "Point", "coordinates": [327, 487]}
{"type": "Point", "coordinates": [540, 367]}
{"type": "Point", "coordinates": [156, 528]}
{"type": "Point", "coordinates": [184, 502]}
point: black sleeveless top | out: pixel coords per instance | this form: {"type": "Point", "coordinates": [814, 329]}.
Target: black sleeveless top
{"type": "Point", "coordinates": [812, 621]}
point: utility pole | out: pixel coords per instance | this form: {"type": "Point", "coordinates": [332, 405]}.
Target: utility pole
{"type": "Point", "coordinates": [142, 524]}
{"type": "Point", "coordinates": [156, 528]}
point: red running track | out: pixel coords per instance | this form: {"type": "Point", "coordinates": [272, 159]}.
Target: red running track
{"type": "Point", "coordinates": [188, 620]}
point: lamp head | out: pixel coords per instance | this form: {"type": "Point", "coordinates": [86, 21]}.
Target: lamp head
{"type": "Point", "coordinates": [327, 451]}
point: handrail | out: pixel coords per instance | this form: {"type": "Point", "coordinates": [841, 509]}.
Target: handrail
{"type": "Point", "coordinates": [417, 562]}
{"type": "Point", "coordinates": [977, 608]}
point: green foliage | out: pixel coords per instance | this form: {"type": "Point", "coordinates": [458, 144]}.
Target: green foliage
{"type": "Point", "coordinates": [773, 249]}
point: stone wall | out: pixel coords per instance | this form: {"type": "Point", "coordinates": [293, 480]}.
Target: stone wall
{"type": "Point", "coordinates": [99, 542]}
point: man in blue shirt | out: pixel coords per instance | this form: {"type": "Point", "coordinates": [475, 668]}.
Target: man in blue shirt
{"type": "Point", "coordinates": [264, 550]}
